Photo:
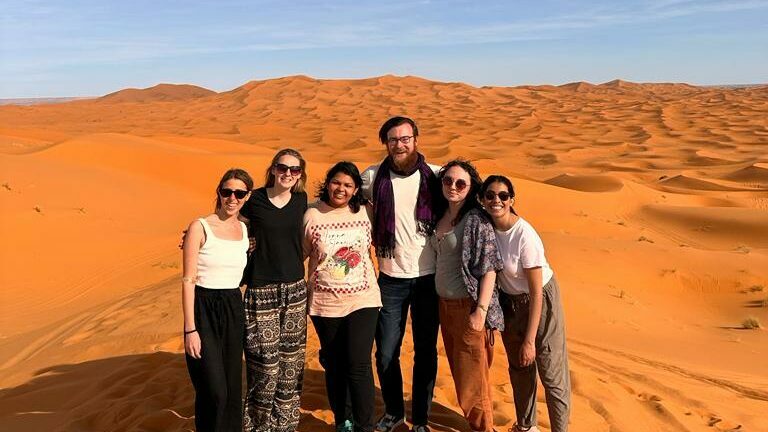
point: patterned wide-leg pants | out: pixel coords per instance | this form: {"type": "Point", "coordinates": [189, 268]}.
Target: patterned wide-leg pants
{"type": "Point", "coordinates": [275, 345]}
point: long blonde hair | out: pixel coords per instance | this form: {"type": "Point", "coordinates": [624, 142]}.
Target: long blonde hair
{"type": "Point", "coordinates": [269, 178]}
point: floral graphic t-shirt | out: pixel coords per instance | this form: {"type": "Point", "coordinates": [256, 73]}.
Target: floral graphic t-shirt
{"type": "Point", "coordinates": [344, 281]}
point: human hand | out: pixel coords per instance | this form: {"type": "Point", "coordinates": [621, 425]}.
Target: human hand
{"type": "Point", "coordinates": [251, 244]}
{"type": "Point", "coordinates": [183, 237]}
{"type": "Point", "coordinates": [477, 320]}
{"type": "Point", "coordinates": [527, 354]}
{"type": "Point", "coordinates": [192, 345]}
{"type": "Point", "coordinates": [317, 254]}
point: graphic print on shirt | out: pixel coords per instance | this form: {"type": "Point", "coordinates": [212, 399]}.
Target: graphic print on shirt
{"type": "Point", "coordinates": [343, 269]}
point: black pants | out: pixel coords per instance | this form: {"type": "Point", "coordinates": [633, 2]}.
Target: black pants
{"type": "Point", "coordinates": [397, 296]}
{"type": "Point", "coordinates": [345, 353]}
{"type": "Point", "coordinates": [217, 375]}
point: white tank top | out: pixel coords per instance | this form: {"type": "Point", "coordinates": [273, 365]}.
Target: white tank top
{"type": "Point", "coordinates": [220, 262]}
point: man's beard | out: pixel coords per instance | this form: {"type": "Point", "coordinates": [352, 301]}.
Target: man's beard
{"type": "Point", "coordinates": [406, 164]}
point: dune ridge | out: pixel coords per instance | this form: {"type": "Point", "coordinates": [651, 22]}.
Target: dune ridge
{"type": "Point", "coordinates": [651, 199]}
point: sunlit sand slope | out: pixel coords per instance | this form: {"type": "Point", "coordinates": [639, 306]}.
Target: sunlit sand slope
{"type": "Point", "coordinates": [652, 200]}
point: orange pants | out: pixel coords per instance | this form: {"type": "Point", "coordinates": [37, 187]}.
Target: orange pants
{"type": "Point", "coordinates": [469, 355]}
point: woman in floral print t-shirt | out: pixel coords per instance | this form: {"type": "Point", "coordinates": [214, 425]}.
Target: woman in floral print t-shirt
{"type": "Point", "coordinates": [344, 295]}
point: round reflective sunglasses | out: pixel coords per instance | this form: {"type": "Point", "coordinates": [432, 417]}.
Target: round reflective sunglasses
{"type": "Point", "coordinates": [459, 184]}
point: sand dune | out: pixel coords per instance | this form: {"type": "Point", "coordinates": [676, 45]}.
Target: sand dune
{"type": "Point", "coordinates": [652, 200]}
{"type": "Point", "coordinates": [586, 183]}
{"type": "Point", "coordinates": [158, 93]}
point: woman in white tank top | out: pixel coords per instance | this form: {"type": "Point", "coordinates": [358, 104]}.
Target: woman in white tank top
{"type": "Point", "coordinates": [214, 319]}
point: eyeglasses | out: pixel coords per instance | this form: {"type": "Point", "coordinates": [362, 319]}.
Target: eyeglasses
{"type": "Point", "coordinates": [283, 168]}
{"type": "Point", "coordinates": [403, 139]}
{"type": "Point", "coordinates": [459, 184]}
{"type": "Point", "coordinates": [503, 195]}
{"type": "Point", "coordinates": [239, 193]}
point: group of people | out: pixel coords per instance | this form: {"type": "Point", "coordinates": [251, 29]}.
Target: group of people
{"type": "Point", "coordinates": [450, 248]}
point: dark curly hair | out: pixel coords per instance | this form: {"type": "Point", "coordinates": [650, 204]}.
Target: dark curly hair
{"type": "Point", "coordinates": [471, 201]}
{"type": "Point", "coordinates": [351, 170]}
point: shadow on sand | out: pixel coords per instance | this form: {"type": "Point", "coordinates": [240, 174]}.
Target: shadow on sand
{"type": "Point", "coordinates": [147, 392]}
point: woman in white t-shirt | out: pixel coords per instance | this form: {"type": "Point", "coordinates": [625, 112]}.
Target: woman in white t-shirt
{"type": "Point", "coordinates": [214, 318]}
{"type": "Point", "coordinates": [534, 325]}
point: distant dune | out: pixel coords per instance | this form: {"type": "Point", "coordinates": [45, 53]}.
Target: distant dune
{"type": "Point", "coordinates": [158, 93]}
{"type": "Point", "coordinates": [651, 199]}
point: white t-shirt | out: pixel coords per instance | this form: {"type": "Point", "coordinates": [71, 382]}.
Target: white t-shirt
{"type": "Point", "coordinates": [412, 256]}
{"type": "Point", "coordinates": [521, 248]}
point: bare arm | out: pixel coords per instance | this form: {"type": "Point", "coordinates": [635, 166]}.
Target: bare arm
{"type": "Point", "coordinates": [528, 349]}
{"type": "Point", "coordinates": [477, 317]}
{"type": "Point", "coordinates": [195, 238]}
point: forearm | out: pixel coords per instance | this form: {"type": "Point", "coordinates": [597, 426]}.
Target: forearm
{"type": "Point", "coordinates": [535, 303]}
{"type": "Point", "coordinates": [188, 305]}
{"type": "Point", "coordinates": [487, 283]}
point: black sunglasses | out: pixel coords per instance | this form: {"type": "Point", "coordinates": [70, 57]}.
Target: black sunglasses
{"type": "Point", "coordinates": [503, 195]}
{"type": "Point", "coordinates": [283, 168]}
{"type": "Point", "coordinates": [239, 193]}
{"type": "Point", "coordinates": [460, 184]}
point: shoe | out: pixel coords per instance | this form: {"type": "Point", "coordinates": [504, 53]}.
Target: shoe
{"type": "Point", "coordinates": [347, 426]}
{"type": "Point", "coordinates": [517, 428]}
{"type": "Point", "coordinates": [420, 428]}
{"type": "Point", "coordinates": [388, 423]}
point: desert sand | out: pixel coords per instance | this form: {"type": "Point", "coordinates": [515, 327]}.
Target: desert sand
{"type": "Point", "coordinates": [652, 200]}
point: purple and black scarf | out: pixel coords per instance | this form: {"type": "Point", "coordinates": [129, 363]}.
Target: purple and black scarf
{"type": "Point", "coordinates": [384, 205]}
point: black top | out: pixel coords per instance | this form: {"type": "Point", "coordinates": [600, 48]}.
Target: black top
{"type": "Point", "coordinates": [278, 256]}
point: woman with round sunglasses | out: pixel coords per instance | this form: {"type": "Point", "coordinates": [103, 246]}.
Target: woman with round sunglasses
{"type": "Point", "coordinates": [276, 297]}
{"type": "Point", "coordinates": [469, 309]}
{"type": "Point", "coordinates": [534, 324]}
{"type": "Point", "coordinates": [344, 295]}
{"type": "Point", "coordinates": [214, 257]}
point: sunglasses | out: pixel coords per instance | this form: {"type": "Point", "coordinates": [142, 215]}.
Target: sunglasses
{"type": "Point", "coordinates": [459, 184]}
{"type": "Point", "coordinates": [239, 193]}
{"type": "Point", "coordinates": [503, 195]}
{"type": "Point", "coordinates": [283, 168]}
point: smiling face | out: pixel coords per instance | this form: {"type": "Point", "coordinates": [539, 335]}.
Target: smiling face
{"type": "Point", "coordinates": [456, 184]}
{"type": "Point", "coordinates": [401, 146]}
{"type": "Point", "coordinates": [497, 207]}
{"type": "Point", "coordinates": [285, 171]}
{"type": "Point", "coordinates": [341, 188]}
{"type": "Point", "coordinates": [231, 204]}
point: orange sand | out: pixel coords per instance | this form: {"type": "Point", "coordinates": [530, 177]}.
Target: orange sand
{"type": "Point", "coordinates": [652, 200]}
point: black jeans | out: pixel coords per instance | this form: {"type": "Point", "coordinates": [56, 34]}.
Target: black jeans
{"type": "Point", "coordinates": [397, 295]}
{"type": "Point", "coordinates": [345, 353]}
{"type": "Point", "coordinates": [216, 376]}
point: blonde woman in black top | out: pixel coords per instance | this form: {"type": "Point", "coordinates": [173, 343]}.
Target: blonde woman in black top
{"type": "Point", "coordinates": [276, 297]}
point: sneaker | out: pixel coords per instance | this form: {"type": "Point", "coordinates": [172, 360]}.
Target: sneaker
{"type": "Point", "coordinates": [517, 428]}
{"type": "Point", "coordinates": [347, 426]}
{"type": "Point", "coordinates": [420, 428]}
{"type": "Point", "coordinates": [388, 423]}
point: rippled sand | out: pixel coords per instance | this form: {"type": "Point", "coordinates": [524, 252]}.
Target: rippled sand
{"type": "Point", "coordinates": [652, 200]}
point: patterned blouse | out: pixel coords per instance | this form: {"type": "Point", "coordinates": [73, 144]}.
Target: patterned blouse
{"type": "Point", "coordinates": [479, 255]}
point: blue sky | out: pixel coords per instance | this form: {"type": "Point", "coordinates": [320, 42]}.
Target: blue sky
{"type": "Point", "coordinates": [86, 48]}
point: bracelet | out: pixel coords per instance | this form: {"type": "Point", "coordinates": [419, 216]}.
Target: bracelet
{"type": "Point", "coordinates": [188, 279]}
{"type": "Point", "coordinates": [189, 332]}
{"type": "Point", "coordinates": [482, 307]}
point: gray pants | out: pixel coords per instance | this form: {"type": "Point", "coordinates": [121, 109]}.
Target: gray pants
{"type": "Point", "coordinates": [551, 358]}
